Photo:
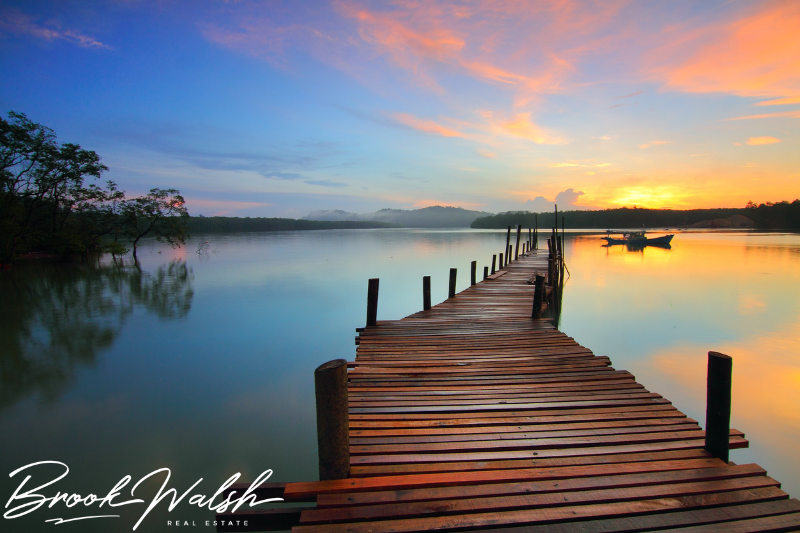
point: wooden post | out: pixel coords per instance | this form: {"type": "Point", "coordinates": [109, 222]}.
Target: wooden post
{"type": "Point", "coordinates": [536, 232]}
{"type": "Point", "coordinates": [473, 273]}
{"type": "Point", "coordinates": [563, 238]}
{"type": "Point", "coordinates": [559, 247]}
{"type": "Point", "coordinates": [452, 290]}
{"type": "Point", "coordinates": [426, 292]}
{"type": "Point", "coordinates": [494, 260]}
{"type": "Point", "coordinates": [372, 302]}
{"type": "Point", "coordinates": [501, 261]}
{"type": "Point", "coordinates": [485, 272]}
{"type": "Point", "coordinates": [538, 293]}
{"type": "Point", "coordinates": [530, 239]}
{"type": "Point", "coordinates": [516, 250]}
{"type": "Point", "coordinates": [718, 405]}
{"type": "Point", "coordinates": [508, 243]}
{"type": "Point", "coordinates": [555, 223]}
{"type": "Point", "coordinates": [333, 425]}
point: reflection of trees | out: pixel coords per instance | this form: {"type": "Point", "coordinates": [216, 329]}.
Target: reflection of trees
{"type": "Point", "coordinates": [56, 318]}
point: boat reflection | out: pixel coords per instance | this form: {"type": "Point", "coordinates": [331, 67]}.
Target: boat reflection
{"type": "Point", "coordinates": [635, 247]}
{"type": "Point", "coordinates": [56, 319]}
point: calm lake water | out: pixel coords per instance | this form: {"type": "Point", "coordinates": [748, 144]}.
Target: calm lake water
{"type": "Point", "coordinates": [203, 363]}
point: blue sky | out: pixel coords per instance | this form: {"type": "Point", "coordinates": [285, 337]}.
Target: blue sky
{"type": "Point", "coordinates": [279, 108]}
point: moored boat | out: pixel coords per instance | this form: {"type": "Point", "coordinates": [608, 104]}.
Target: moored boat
{"type": "Point", "coordinates": [638, 237]}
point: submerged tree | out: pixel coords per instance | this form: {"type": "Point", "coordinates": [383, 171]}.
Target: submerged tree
{"type": "Point", "coordinates": [161, 213]}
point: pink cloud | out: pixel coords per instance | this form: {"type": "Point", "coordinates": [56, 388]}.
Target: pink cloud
{"type": "Point", "coordinates": [756, 55]}
{"type": "Point", "coordinates": [426, 126]}
{"type": "Point", "coordinates": [18, 23]}
{"type": "Point", "coordinates": [787, 114]}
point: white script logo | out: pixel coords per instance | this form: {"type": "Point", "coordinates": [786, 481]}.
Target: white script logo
{"type": "Point", "coordinates": [36, 500]}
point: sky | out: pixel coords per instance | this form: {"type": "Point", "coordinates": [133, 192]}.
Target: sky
{"type": "Point", "coordinates": [273, 108]}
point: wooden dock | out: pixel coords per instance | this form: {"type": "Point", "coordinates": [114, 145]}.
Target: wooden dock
{"type": "Point", "coordinates": [473, 416]}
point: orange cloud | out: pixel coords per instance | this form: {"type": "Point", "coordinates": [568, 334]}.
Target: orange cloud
{"type": "Point", "coordinates": [781, 101]}
{"type": "Point", "coordinates": [756, 141]}
{"type": "Point", "coordinates": [758, 55]}
{"type": "Point", "coordinates": [788, 114]}
{"type": "Point", "coordinates": [518, 126]}
{"type": "Point", "coordinates": [521, 126]}
{"type": "Point", "coordinates": [487, 154]}
{"type": "Point", "coordinates": [426, 126]}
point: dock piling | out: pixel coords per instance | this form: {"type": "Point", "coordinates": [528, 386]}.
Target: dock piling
{"type": "Point", "coordinates": [333, 422]}
{"type": "Point", "coordinates": [473, 273]}
{"type": "Point", "coordinates": [538, 296]}
{"type": "Point", "coordinates": [372, 302]}
{"type": "Point", "coordinates": [485, 272]}
{"type": "Point", "coordinates": [494, 260]}
{"type": "Point", "coordinates": [501, 261]}
{"type": "Point", "coordinates": [426, 292]}
{"type": "Point", "coordinates": [452, 290]}
{"type": "Point", "coordinates": [718, 405]}
{"type": "Point", "coordinates": [516, 250]}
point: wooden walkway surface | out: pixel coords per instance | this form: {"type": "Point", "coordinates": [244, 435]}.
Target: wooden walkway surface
{"type": "Point", "coordinates": [473, 416]}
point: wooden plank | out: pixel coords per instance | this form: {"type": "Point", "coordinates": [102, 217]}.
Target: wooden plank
{"type": "Point", "coordinates": [550, 514]}
{"type": "Point", "coordinates": [680, 519]}
{"type": "Point", "coordinates": [296, 491]}
{"type": "Point", "coordinates": [631, 475]}
{"type": "Point", "coordinates": [532, 501]}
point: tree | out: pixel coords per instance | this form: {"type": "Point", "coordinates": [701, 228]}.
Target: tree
{"type": "Point", "coordinates": [40, 184]}
{"type": "Point", "coordinates": [162, 213]}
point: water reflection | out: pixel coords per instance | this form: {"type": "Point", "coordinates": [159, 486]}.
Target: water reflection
{"type": "Point", "coordinates": [57, 318]}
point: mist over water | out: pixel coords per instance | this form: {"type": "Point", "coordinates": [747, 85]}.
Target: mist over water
{"type": "Point", "coordinates": [203, 363]}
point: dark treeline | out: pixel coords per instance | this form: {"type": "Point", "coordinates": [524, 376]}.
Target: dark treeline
{"type": "Point", "coordinates": [782, 215]}
{"type": "Point", "coordinates": [234, 224]}
{"type": "Point", "coordinates": [46, 206]}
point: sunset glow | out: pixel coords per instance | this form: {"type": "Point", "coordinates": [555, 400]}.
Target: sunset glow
{"type": "Point", "coordinates": [280, 108]}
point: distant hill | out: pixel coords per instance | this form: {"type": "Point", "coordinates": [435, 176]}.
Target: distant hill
{"type": "Point", "coordinates": [236, 225]}
{"type": "Point", "coordinates": [428, 217]}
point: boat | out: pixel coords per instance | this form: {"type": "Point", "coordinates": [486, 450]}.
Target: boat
{"type": "Point", "coordinates": [638, 238]}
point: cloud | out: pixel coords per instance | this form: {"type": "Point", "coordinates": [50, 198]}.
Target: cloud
{"type": "Point", "coordinates": [485, 130]}
{"type": "Point", "coordinates": [565, 201]}
{"type": "Point", "coordinates": [426, 126]}
{"type": "Point", "coordinates": [561, 165]}
{"type": "Point", "coordinates": [628, 95]}
{"type": "Point", "coordinates": [487, 154]}
{"type": "Point", "coordinates": [643, 146]}
{"type": "Point", "coordinates": [787, 114]}
{"type": "Point", "coordinates": [282, 175]}
{"type": "Point", "coordinates": [568, 198]}
{"type": "Point", "coordinates": [757, 55]}
{"type": "Point", "coordinates": [522, 126]}
{"type": "Point", "coordinates": [18, 23]}
{"type": "Point", "coordinates": [661, 142]}
{"type": "Point", "coordinates": [757, 141]}
{"type": "Point", "coordinates": [780, 101]}
{"type": "Point", "coordinates": [326, 183]}
{"type": "Point", "coordinates": [540, 204]}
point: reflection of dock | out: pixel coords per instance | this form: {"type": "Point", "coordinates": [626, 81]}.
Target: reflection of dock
{"type": "Point", "coordinates": [471, 415]}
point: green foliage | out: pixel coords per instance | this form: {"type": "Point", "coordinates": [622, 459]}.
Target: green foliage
{"type": "Point", "coordinates": [45, 206]}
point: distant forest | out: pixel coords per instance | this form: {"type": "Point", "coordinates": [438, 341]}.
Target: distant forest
{"type": "Point", "coordinates": [233, 224]}
{"type": "Point", "coordinates": [773, 216]}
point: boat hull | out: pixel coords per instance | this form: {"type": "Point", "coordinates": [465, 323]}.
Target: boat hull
{"type": "Point", "coordinates": [664, 239]}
